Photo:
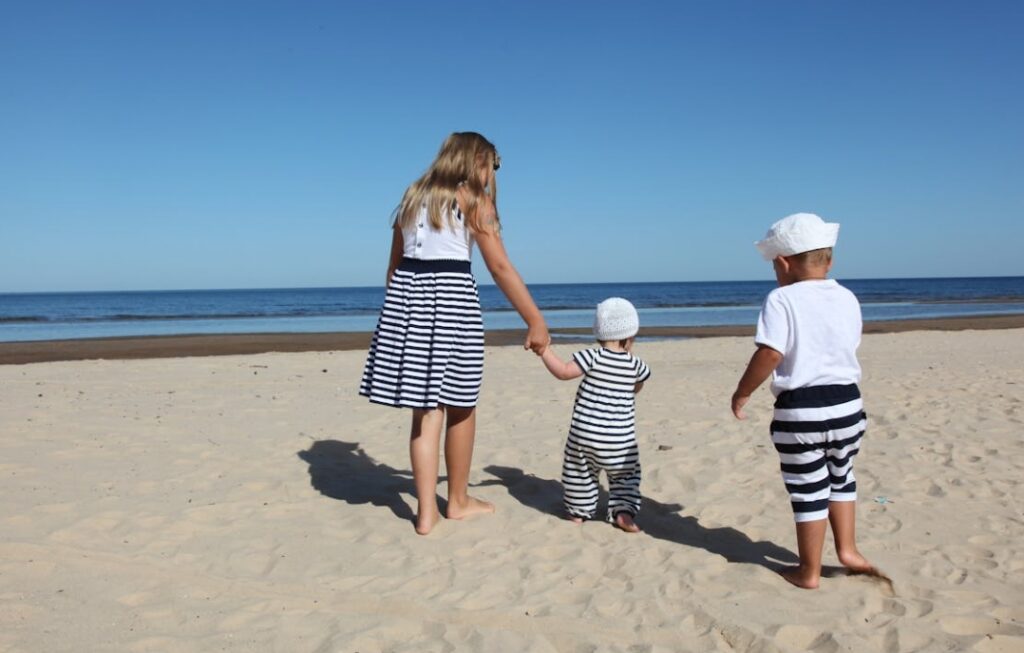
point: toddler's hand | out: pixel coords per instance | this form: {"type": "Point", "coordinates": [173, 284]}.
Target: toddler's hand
{"type": "Point", "coordinates": [738, 401]}
{"type": "Point", "coordinates": [537, 339]}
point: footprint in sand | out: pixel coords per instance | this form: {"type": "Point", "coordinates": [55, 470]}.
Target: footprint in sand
{"type": "Point", "coordinates": [956, 577]}
{"type": "Point", "coordinates": [967, 599]}
{"type": "Point", "coordinates": [999, 644]}
{"type": "Point", "coordinates": [805, 638]}
{"type": "Point", "coordinates": [885, 523]}
{"type": "Point", "coordinates": [917, 608]}
{"type": "Point", "coordinates": [897, 640]}
{"type": "Point", "coordinates": [980, 625]}
{"type": "Point", "coordinates": [972, 557]}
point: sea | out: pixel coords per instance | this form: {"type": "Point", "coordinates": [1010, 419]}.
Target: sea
{"type": "Point", "coordinates": [74, 315]}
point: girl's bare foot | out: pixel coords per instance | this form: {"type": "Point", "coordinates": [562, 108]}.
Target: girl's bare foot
{"type": "Point", "coordinates": [802, 578]}
{"type": "Point", "coordinates": [426, 520]}
{"type": "Point", "coordinates": [468, 508]}
{"type": "Point", "coordinates": [574, 519]}
{"type": "Point", "coordinates": [624, 520]}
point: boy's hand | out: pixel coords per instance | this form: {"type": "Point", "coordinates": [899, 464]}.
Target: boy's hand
{"type": "Point", "coordinates": [760, 367]}
{"type": "Point", "coordinates": [738, 402]}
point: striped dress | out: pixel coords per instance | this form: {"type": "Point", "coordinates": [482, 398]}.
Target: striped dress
{"type": "Point", "coordinates": [602, 434]}
{"type": "Point", "coordinates": [428, 347]}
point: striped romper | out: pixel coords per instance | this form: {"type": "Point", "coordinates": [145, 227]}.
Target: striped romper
{"type": "Point", "coordinates": [602, 434]}
{"type": "Point", "coordinates": [428, 347]}
{"type": "Point", "coordinates": [819, 417]}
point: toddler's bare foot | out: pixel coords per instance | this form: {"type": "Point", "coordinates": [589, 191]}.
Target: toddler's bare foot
{"type": "Point", "coordinates": [802, 578]}
{"type": "Point", "coordinates": [574, 519]}
{"type": "Point", "coordinates": [426, 520]}
{"type": "Point", "coordinates": [468, 508]}
{"type": "Point", "coordinates": [624, 520]}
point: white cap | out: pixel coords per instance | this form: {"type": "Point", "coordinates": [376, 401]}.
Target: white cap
{"type": "Point", "coordinates": [796, 234]}
{"type": "Point", "coordinates": [616, 319]}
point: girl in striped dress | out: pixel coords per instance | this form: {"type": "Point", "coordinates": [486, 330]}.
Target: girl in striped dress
{"type": "Point", "coordinates": [427, 351]}
{"type": "Point", "coordinates": [602, 433]}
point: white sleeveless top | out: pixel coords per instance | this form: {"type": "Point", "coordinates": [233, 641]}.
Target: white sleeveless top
{"type": "Point", "coordinates": [453, 241]}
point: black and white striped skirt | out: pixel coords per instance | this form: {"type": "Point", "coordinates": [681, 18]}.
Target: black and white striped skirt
{"type": "Point", "coordinates": [428, 349]}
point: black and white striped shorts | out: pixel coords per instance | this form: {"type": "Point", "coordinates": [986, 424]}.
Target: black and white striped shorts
{"type": "Point", "coordinates": [817, 432]}
{"type": "Point", "coordinates": [428, 348]}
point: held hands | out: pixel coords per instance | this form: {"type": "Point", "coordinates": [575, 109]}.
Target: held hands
{"type": "Point", "coordinates": [738, 402]}
{"type": "Point", "coordinates": [537, 338]}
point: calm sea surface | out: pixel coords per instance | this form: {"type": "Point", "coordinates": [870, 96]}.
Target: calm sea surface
{"type": "Point", "coordinates": [45, 316]}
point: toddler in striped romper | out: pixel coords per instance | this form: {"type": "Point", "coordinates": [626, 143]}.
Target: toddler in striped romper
{"type": "Point", "coordinates": [602, 433]}
{"type": "Point", "coordinates": [807, 338]}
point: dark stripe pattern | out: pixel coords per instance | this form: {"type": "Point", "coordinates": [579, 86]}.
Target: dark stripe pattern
{"type": "Point", "coordinates": [428, 348]}
{"type": "Point", "coordinates": [817, 432]}
{"type": "Point", "coordinates": [602, 434]}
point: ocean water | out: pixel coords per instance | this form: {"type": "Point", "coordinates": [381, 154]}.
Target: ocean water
{"type": "Point", "coordinates": [55, 316]}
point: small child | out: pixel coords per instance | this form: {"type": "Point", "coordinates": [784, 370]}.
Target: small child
{"type": "Point", "coordinates": [807, 338]}
{"type": "Point", "coordinates": [602, 434]}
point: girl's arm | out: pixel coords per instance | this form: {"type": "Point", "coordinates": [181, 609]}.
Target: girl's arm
{"type": "Point", "coordinates": [760, 367]}
{"type": "Point", "coordinates": [508, 279]}
{"type": "Point", "coordinates": [397, 249]}
{"type": "Point", "coordinates": [561, 370]}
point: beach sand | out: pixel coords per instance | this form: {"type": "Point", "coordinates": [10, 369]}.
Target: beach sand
{"type": "Point", "coordinates": [253, 502]}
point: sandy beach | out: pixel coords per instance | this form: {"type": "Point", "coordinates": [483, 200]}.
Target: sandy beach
{"type": "Point", "coordinates": [253, 502]}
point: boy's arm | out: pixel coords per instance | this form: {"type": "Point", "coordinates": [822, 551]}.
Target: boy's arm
{"type": "Point", "coordinates": [559, 368]}
{"type": "Point", "coordinates": [760, 367]}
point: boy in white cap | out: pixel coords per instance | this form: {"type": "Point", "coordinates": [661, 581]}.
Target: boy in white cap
{"type": "Point", "coordinates": [602, 433]}
{"type": "Point", "coordinates": [807, 338]}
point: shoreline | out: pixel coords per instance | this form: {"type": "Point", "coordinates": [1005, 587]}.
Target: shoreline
{"type": "Point", "coordinates": [179, 346]}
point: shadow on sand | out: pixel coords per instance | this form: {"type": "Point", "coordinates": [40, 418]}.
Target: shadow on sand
{"type": "Point", "coordinates": [342, 470]}
{"type": "Point", "coordinates": [659, 520]}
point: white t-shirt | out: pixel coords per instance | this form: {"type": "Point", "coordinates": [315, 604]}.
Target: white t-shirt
{"type": "Point", "coordinates": [453, 241]}
{"type": "Point", "coordinates": [816, 326]}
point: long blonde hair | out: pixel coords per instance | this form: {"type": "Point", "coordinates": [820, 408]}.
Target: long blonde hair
{"type": "Point", "coordinates": [457, 164]}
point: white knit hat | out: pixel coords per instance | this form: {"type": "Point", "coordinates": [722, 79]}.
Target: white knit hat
{"type": "Point", "coordinates": [615, 319]}
{"type": "Point", "coordinates": [796, 234]}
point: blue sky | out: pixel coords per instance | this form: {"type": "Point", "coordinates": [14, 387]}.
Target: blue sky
{"type": "Point", "coordinates": [156, 145]}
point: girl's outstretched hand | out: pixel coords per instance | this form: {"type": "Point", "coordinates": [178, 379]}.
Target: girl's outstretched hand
{"type": "Point", "coordinates": [537, 338]}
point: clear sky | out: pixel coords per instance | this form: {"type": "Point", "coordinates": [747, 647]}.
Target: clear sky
{"type": "Point", "coordinates": [178, 144]}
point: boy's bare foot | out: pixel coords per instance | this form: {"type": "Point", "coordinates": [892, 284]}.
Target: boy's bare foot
{"type": "Point", "coordinates": [855, 562]}
{"type": "Point", "coordinates": [469, 508]}
{"type": "Point", "coordinates": [624, 520]}
{"type": "Point", "coordinates": [802, 578]}
{"type": "Point", "coordinates": [425, 521]}
{"type": "Point", "coordinates": [574, 519]}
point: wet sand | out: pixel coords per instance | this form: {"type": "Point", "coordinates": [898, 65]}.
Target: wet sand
{"type": "Point", "coordinates": [257, 343]}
